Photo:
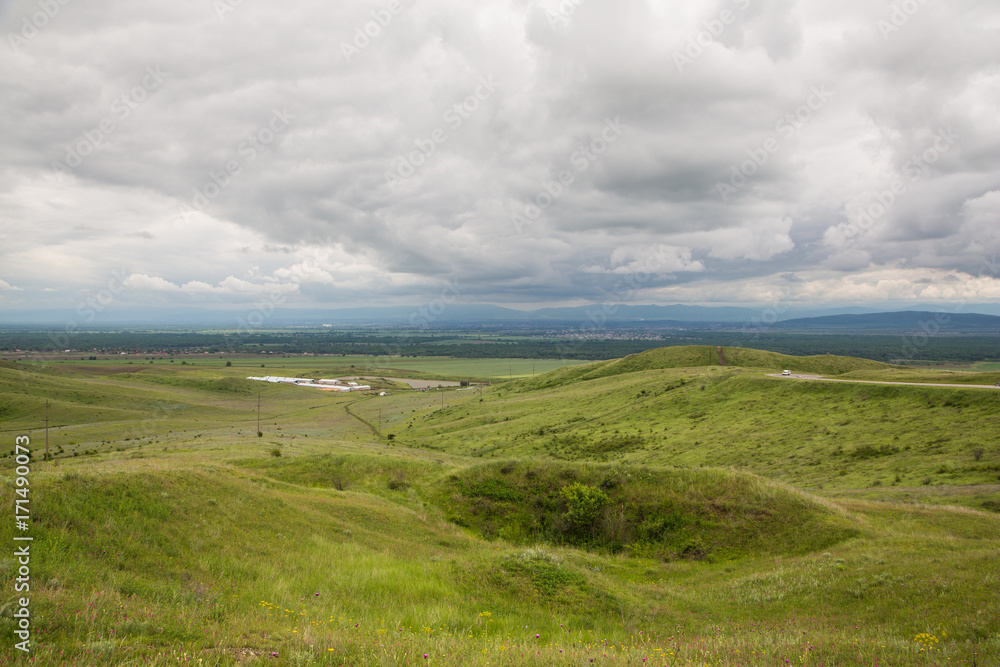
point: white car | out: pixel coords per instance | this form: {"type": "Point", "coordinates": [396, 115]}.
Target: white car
{"type": "Point", "coordinates": [786, 372]}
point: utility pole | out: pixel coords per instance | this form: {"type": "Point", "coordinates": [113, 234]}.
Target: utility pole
{"type": "Point", "coordinates": [380, 422]}
{"type": "Point", "coordinates": [46, 429]}
{"type": "Point", "coordinates": [259, 434]}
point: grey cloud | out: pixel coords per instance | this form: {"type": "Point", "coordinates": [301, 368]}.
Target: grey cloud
{"type": "Point", "coordinates": [183, 159]}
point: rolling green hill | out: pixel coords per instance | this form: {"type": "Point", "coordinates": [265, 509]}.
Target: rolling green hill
{"type": "Point", "coordinates": [811, 434]}
{"type": "Point", "coordinates": [648, 510]}
{"type": "Point", "coordinates": [697, 356]}
{"type": "Point", "coordinates": [194, 555]}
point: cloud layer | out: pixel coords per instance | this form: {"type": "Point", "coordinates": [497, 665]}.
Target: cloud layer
{"type": "Point", "coordinates": [533, 153]}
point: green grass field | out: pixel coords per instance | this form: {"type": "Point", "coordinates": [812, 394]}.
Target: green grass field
{"type": "Point", "coordinates": [445, 368]}
{"type": "Point", "coordinates": [652, 510]}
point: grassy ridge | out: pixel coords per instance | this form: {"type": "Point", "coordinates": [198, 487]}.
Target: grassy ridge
{"type": "Point", "coordinates": [829, 435]}
{"type": "Point", "coordinates": [697, 356]}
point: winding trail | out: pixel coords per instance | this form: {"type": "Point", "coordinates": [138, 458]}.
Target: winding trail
{"type": "Point", "coordinates": [347, 409]}
{"type": "Point", "coordinates": [722, 357]}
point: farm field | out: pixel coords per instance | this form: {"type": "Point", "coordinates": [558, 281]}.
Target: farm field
{"type": "Point", "coordinates": [446, 368]}
{"type": "Point", "coordinates": [650, 510]}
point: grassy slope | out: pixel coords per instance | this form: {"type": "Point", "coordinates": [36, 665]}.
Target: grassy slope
{"type": "Point", "coordinates": [197, 544]}
{"type": "Point", "coordinates": [693, 356]}
{"type": "Point", "coordinates": [815, 435]}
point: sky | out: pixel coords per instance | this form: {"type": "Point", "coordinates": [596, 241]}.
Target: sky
{"type": "Point", "coordinates": [222, 153]}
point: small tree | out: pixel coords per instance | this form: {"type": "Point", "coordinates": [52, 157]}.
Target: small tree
{"type": "Point", "coordinates": [229, 363]}
{"type": "Point", "coordinates": [583, 505]}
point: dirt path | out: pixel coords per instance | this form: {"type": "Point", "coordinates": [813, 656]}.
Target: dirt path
{"type": "Point", "coordinates": [347, 409]}
{"type": "Point", "coordinates": [722, 357]}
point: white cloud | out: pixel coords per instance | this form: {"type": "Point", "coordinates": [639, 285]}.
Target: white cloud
{"type": "Point", "coordinates": [137, 284]}
{"type": "Point", "coordinates": [140, 281]}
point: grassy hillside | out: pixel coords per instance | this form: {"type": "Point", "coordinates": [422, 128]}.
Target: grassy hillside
{"type": "Point", "coordinates": [646, 517]}
{"type": "Point", "coordinates": [813, 435]}
{"type": "Point", "coordinates": [158, 561]}
{"type": "Point", "coordinates": [697, 356]}
{"type": "Point", "coordinates": [664, 514]}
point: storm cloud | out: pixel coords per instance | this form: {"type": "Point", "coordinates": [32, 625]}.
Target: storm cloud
{"type": "Point", "coordinates": [533, 153]}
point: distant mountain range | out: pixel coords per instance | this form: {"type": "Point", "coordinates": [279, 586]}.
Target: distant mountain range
{"type": "Point", "coordinates": [975, 317]}
{"type": "Point", "coordinates": [903, 321]}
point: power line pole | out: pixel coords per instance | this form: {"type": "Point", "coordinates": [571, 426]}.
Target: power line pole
{"type": "Point", "coordinates": [46, 429]}
{"type": "Point", "coordinates": [259, 434]}
{"type": "Point", "coordinates": [380, 422]}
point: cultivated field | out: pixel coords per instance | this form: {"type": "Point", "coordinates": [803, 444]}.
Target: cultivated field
{"type": "Point", "coordinates": [446, 368]}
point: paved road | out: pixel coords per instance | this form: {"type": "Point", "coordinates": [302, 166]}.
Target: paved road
{"type": "Point", "coordinates": [800, 376]}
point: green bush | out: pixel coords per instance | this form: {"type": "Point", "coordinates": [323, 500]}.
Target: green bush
{"type": "Point", "coordinates": [494, 489]}
{"type": "Point", "coordinates": [583, 504]}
